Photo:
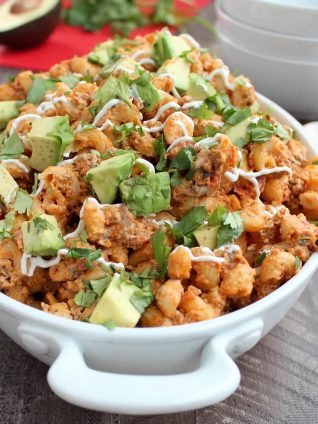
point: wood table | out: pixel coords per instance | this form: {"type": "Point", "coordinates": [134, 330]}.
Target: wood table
{"type": "Point", "coordinates": [279, 376]}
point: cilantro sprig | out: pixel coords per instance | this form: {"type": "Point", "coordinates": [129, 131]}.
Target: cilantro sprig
{"type": "Point", "coordinates": [184, 161]}
{"type": "Point", "coordinates": [230, 225]}
{"type": "Point", "coordinates": [11, 148]}
{"type": "Point", "coordinates": [6, 225]}
{"type": "Point", "coordinates": [90, 255]}
{"type": "Point", "coordinates": [161, 251]}
{"type": "Point", "coordinates": [183, 230]}
{"type": "Point", "coordinates": [23, 202]}
{"type": "Point", "coordinates": [260, 132]}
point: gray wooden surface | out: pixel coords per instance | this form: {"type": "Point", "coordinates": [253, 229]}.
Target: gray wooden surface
{"type": "Point", "coordinates": [279, 377]}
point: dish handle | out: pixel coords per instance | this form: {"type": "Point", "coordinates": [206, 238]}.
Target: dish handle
{"type": "Point", "coordinates": [216, 378]}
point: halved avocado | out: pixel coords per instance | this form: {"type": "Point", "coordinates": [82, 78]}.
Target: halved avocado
{"type": "Point", "coordinates": [27, 23]}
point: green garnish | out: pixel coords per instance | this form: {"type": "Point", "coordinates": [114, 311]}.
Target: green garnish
{"type": "Point", "coordinates": [183, 230]}
{"type": "Point", "coordinates": [23, 202]}
{"type": "Point", "coordinates": [161, 251]}
{"type": "Point", "coordinates": [202, 112]}
{"type": "Point", "coordinates": [70, 79]}
{"type": "Point", "coordinates": [110, 324]}
{"type": "Point", "coordinates": [231, 225]}
{"type": "Point", "coordinates": [41, 224]}
{"type": "Point", "coordinates": [126, 129]}
{"type": "Point", "coordinates": [259, 259]}
{"type": "Point", "coordinates": [6, 225]}
{"type": "Point", "coordinates": [11, 148]}
{"type": "Point", "coordinates": [298, 263]}
{"type": "Point", "coordinates": [90, 255]}
{"type": "Point", "coordinates": [184, 161]}
{"type": "Point", "coordinates": [234, 116]}
{"type": "Point", "coordinates": [39, 88]}
{"type": "Point", "coordinates": [160, 151]}
{"type": "Point", "coordinates": [260, 132]}
{"type": "Point", "coordinates": [85, 298]}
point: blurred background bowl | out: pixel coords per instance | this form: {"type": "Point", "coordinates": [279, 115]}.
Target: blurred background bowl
{"type": "Point", "coordinates": [268, 43]}
{"type": "Point", "coordinates": [296, 17]}
{"type": "Point", "coordinates": [292, 84]}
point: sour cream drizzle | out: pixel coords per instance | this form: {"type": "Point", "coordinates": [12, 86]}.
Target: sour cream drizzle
{"type": "Point", "coordinates": [209, 257]}
{"type": "Point", "coordinates": [174, 90]}
{"type": "Point", "coordinates": [21, 118]}
{"type": "Point", "coordinates": [146, 164]}
{"type": "Point", "coordinates": [234, 175]}
{"type": "Point", "coordinates": [193, 105]}
{"type": "Point", "coordinates": [105, 108]}
{"type": "Point", "coordinates": [224, 73]}
{"type": "Point", "coordinates": [18, 163]}
{"type": "Point", "coordinates": [190, 40]}
{"type": "Point", "coordinates": [139, 53]}
{"type": "Point", "coordinates": [146, 61]}
{"type": "Point", "coordinates": [162, 109]}
{"type": "Point", "coordinates": [51, 100]}
{"type": "Point", "coordinates": [207, 142]}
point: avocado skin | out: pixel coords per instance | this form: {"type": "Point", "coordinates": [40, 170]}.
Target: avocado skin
{"type": "Point", "coordinates": [34, 32]}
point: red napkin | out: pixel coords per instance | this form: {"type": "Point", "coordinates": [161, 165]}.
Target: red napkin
{"type": "Point", "coordinates": [65, 42]}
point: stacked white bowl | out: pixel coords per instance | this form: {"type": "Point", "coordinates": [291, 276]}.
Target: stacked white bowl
{"type": "Point", "coordinates": [275, 43]}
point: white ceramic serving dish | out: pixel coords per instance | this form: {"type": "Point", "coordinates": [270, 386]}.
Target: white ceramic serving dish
{"type": "Point", "coordinates": [292, 84]}
{"type": "Point", "coordinates": [269, 43]}
{"type": "Point", "coordinates": [152, 370]}
{"type": "Point", "coordinates": [296, 17]}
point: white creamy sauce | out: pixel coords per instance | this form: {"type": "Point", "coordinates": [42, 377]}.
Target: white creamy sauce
{"type": "Point", "coordinates": [234, 175]}
{"type": "Point", "coordinates": [224, 73]}
{"type": "Point", "coordinates": [139, 53]}
{"type": "Point", "coordinates": [39, 189]}
{"type": "Point", "coordinates": [107, 123]}
{"type": "Point", "coordinates": [193, 43]}
{"type": "Point", "coordinates": [163, 109]}
{"type": "Point", "coordinates": [51, 99]}
{"type": "Point", "coordinates": [152, 129]}
{"type": "Point", "coordinates": [29, 262]}
{"type": "Point", "coordinates": [124, 69]}
{"type": "Point", "coordinates": [18, 163]}
{"type": "Point", "coordinates": [170, 222]}
{"type": "Point", "coordinates": [67, 161]}
{"type": "Point", "coordinates": [174, 90]}
{"type": "Point", "coordinates": [184, 139]}
{"type": "Point", "coordinates": [146, 164]}
{"type": "Point", "coordinates": [207, 142]}
{"type": "Point", "coordinates": [134, 92]}
{"type": "Point", "coordinates": [118, 265]}
{"type": "Point", "coordinates": [229, 248]}
{"type": "Point", "coordinates": [105, 108]}
{"type": "Point", "coordinates": [193, 105]}
{"type": "Point", "coordinates": [10, 196]}
{"type": "Point", "coordinates": [184, 116]}
{"type": "Point", "coordinates": [209, 257]}
{"type": "Point", "coordinates": [76, 232]}
{"type": "Point", "coordinates": [146, 61]}
{"type": "Point", "coordinates": [21, 118]}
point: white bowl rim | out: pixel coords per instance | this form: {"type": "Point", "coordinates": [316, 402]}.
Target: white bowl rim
{"type": "Point", "coordinates": [287, 6]}
{"type": "Point", "coordinates": [262, 31]}
{"type": "Point", "coordinates": [166, 334]}
{"type": "Point", "coordinates": [264, 56]}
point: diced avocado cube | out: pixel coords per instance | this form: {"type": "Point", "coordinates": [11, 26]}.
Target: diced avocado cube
{"type": "Point", "coordinates": [49, 137]}
{"type": "Point", "coordinates": [169, 46]}
{"type": "Point", "coordinates": [199, 88]}
{"type": "Point", "coordinates": [8, 186]}
{"type": "Point", "coordinates": [121, 64]}
{"type": "Point", "coordinates": [42, 236]}
{"type": "Point", "coordinates": [107, 176]}
{"type": "Point", "coordinates": [238, 131]}
{"type": "Point", "coordinates": [9, 109]}
{"type": "Point", "coordinates": [180, 69]}
{"type": "Point", "coordinates": [146, 194]}
{"type": "Point", "coordinates": [115, 305]}
{"type": "Point", "coordinates": [206, 236]}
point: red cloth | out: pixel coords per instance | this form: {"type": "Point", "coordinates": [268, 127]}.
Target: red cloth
{"type": "Point", "coordinates": [65, 42]}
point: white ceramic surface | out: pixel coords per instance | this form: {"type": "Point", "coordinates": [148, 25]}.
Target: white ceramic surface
{"type": "Point", "coordinates": [291, 17]}
{"type": "Point", "coordinates": [292, 84]}
{"type": "Point", "coordinates": [151, 370]}
{"type": "Point", "coordinates": [266, 42]}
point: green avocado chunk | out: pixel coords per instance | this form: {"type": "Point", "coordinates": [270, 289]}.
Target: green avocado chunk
{"type": "Point", "coordinates": [115, 304]}
{"type": "Point", "coordinates": [180, 69]}
{"type": "Point", "coordinates": [199, 88]}
{"type": "Point", "coordinates": [146, 194]}
{"type": "Point", "coordinates": [238, 132]}
{"type": "Point", "coordinates": [169, 46]}
{"type": "Point", "coordinates": [9, 109]}
{"type": "Point", "coordinates": [8, 186]}
{"type": "Point", "coordinates": [206, 236]}
{"type": "Point", "coordinates": [106, 177]}
{"type": "Point", "coordinates": [123, 63]}
{"type": "Point", "coordinates": [49, 137]}
{"type": "Point", "coordinates": [42, 236]}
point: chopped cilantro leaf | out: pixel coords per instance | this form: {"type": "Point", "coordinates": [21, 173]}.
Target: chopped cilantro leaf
{"type": "Point", "coordinates": [126, 129]}
{"type": "Point", "coordinates": [201, 112]}
{"type": "Point", "coordinates": [6, 225]}
{"type": "Point", "coordinates": [70, 79]}
{"type": "Point", "coordinates": [188, 223]}
{"type": "Point", "coordinates": [11, 148]}
{"type": "Point", "coordinates": [160, 151]}
{"type": "Point", "coordinates": [259, 259]}
{"type": "Point", "coordinates": [184, 161]}
{"type": "Point", "coordinates": [175, 179]}
{"type": "Point", "coordinates": [23, 202]}
{"type": "Point", "coordinates": [41, 224]}
{"type": "Point", "coordinates": [297, 263]}
{"type": "Point", "coordinates": [90, 255]}
{"type": "Point", "coordinates": [39, 88]}
{"type": "Point", "coordinates": [185, 56]}
{"type": "Point", "coordinates": [235, 116]}
{"type": "Point", "coordinates": [100, 285]}
{"type": "Point", "coordinates": [110, 324]}
{"type": "Point", "coordinates": [260, 132]}
{"type": "Point", "coordinates": [161, 251]}
{"type": "Point", "coordinates": [231, 225]}
{"type": "Point", "coordinates": [84, 298]}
